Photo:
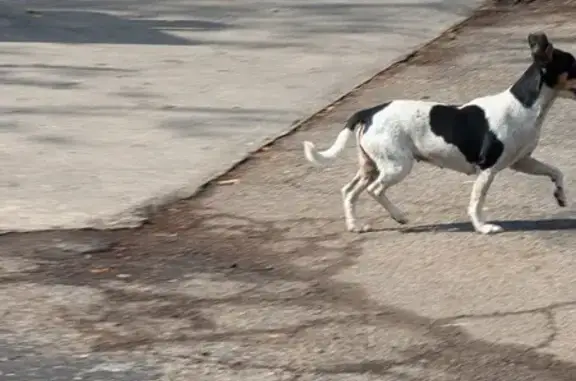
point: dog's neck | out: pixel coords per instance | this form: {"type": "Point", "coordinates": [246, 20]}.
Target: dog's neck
{"type": "Point", "coordinates": [531, 91]}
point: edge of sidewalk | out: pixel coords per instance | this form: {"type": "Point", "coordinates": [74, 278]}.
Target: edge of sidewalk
{"type": "Point", "coordinates": [137, 216]}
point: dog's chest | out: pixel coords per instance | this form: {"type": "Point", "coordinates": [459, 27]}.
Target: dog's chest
{"type": "Point", "coordinates": [520, 123]}
{"type": "Point", "coordinates": [521, 138]}
{"type": "Point", "coordinates": [526, 134]}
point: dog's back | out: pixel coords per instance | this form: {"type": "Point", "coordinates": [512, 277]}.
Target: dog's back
{"type": "Point", "coordinates": [420, 130]}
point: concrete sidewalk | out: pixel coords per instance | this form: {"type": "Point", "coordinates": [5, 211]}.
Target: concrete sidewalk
{"type": "Point", "coordinates": [258, 281]}
{"type": "Point", "coordinates": [111, 106]}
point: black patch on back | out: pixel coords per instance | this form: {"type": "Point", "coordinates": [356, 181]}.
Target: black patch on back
{"type": "Point", "coordinates": [467, 129]}
{"type": "Point", "coordinates": [365, 116]}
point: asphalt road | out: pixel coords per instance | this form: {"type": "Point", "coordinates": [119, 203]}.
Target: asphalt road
{"type": "Point", "coordinates": [256, 279]}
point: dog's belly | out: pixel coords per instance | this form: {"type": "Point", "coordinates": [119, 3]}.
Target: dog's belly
{"type": "Point", "coordinates": [449, 159]}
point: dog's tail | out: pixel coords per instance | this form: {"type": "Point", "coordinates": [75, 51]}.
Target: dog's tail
{"type": "Point", "coordinates": [322, 157]}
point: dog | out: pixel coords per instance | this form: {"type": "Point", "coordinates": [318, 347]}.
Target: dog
{"type": "Point", "coordinates": [481, 137]}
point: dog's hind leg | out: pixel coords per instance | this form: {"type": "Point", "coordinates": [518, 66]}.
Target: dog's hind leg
{"type": "Point", "coordinates": [351, 191]}
{"type": "Point", "coordinates": [391, 172]}
{"type": "Point", "coordinates": [350, 194]}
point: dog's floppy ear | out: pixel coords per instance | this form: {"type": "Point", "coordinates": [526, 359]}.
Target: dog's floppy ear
{"type": "Point", "coordinates": [542, 50]}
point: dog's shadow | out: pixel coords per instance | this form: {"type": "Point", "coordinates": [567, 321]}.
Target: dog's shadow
{"type": "Point", "coordinates": [554, 224]}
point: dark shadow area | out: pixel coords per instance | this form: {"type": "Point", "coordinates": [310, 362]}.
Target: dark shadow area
{"type": "Point", "coordinates": [77, 27]}
{"type": "Point", "coordinates": [204, 112]}
{"type": "Point", "coordinates": [544, 225]}
{"type": "Point", "coordinates": [217, 124]}
{"type": "Point", "coordinates": [30, 365]}
{"type": "Point", "coordinates": [9, 126]}
{"type": "Point", "coordinates": [193, 242]}
{"type": "Point", "coordinates": [137, 94]}
{"type": "Point", "coordinates": [218, 121]}
{"type": "Point", "coordinates": [84, 70]}
{"type": "Point", "coordinates": [10, 72]}
{"type": "Point", "coordinates": [55, 139]}
{"type": "Point", "coordinates": [8, 78]}
{"type": "Point", "coordinates": [150, 23]}
{"type": "Point", "coordinates": [67, 77]}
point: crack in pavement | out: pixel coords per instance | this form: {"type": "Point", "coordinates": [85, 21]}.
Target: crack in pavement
{"type": "Point", "coordinates": [548, 312]}
{"type": "Point", "coordinates": [540, 310]}
{"type": "Point", "coordinates": [553, 327]}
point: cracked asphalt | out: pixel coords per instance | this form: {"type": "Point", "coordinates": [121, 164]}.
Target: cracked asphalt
{"type": "Point", "coordinates": [256, 279]}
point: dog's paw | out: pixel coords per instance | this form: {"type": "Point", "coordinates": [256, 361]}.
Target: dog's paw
{"type": "Point", "coordinates": [560, 197]}
{"type": "Point", "coordinates": [402, 219]}
{"type": "Point", "coordinates": [359, 229]}
{"type": "Point", "coordinates": [489, 229]}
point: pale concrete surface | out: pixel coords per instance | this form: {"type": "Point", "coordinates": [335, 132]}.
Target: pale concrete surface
{"type": "Point", "coordinates": [258, 281]}
{"type": "Point", "coordinates": [109, 106]}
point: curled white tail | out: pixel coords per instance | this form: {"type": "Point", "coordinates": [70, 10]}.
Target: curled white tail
{"type": "Point", "coordinates": [314, 156]}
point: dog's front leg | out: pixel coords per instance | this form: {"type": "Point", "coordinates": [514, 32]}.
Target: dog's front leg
{"type": "Point", "coordinates": [477, 199]}
{"type": "Point", "coordinates": [535, 167]}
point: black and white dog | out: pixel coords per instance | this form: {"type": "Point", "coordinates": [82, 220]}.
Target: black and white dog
{"type": "Point", "coordinates": [481, 137]}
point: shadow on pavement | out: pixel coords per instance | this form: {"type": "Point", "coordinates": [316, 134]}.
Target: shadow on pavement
{"type": "Point", "coordinates": [129, 22]}
{"type": "Point", "coordinates": [74, 27]}
{"type": "Point", "coordinates": [172, 295]}
{"type": "Point", "coordinates": [553, 224]}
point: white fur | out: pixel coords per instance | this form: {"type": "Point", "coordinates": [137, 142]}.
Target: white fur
{"type": "Point", "coordinates": [401, 133]}
{"type": "Point", "coordinates": [320, 158]}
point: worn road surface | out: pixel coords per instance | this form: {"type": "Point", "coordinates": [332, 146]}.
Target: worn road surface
{"type": "Point", "coordinates": [110, 107]}
{"type": "Point", "coordinates": [256, 279]}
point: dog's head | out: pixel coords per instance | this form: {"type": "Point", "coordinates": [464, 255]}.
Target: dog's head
{"type": "Point", "coordinates": [557, 66]}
